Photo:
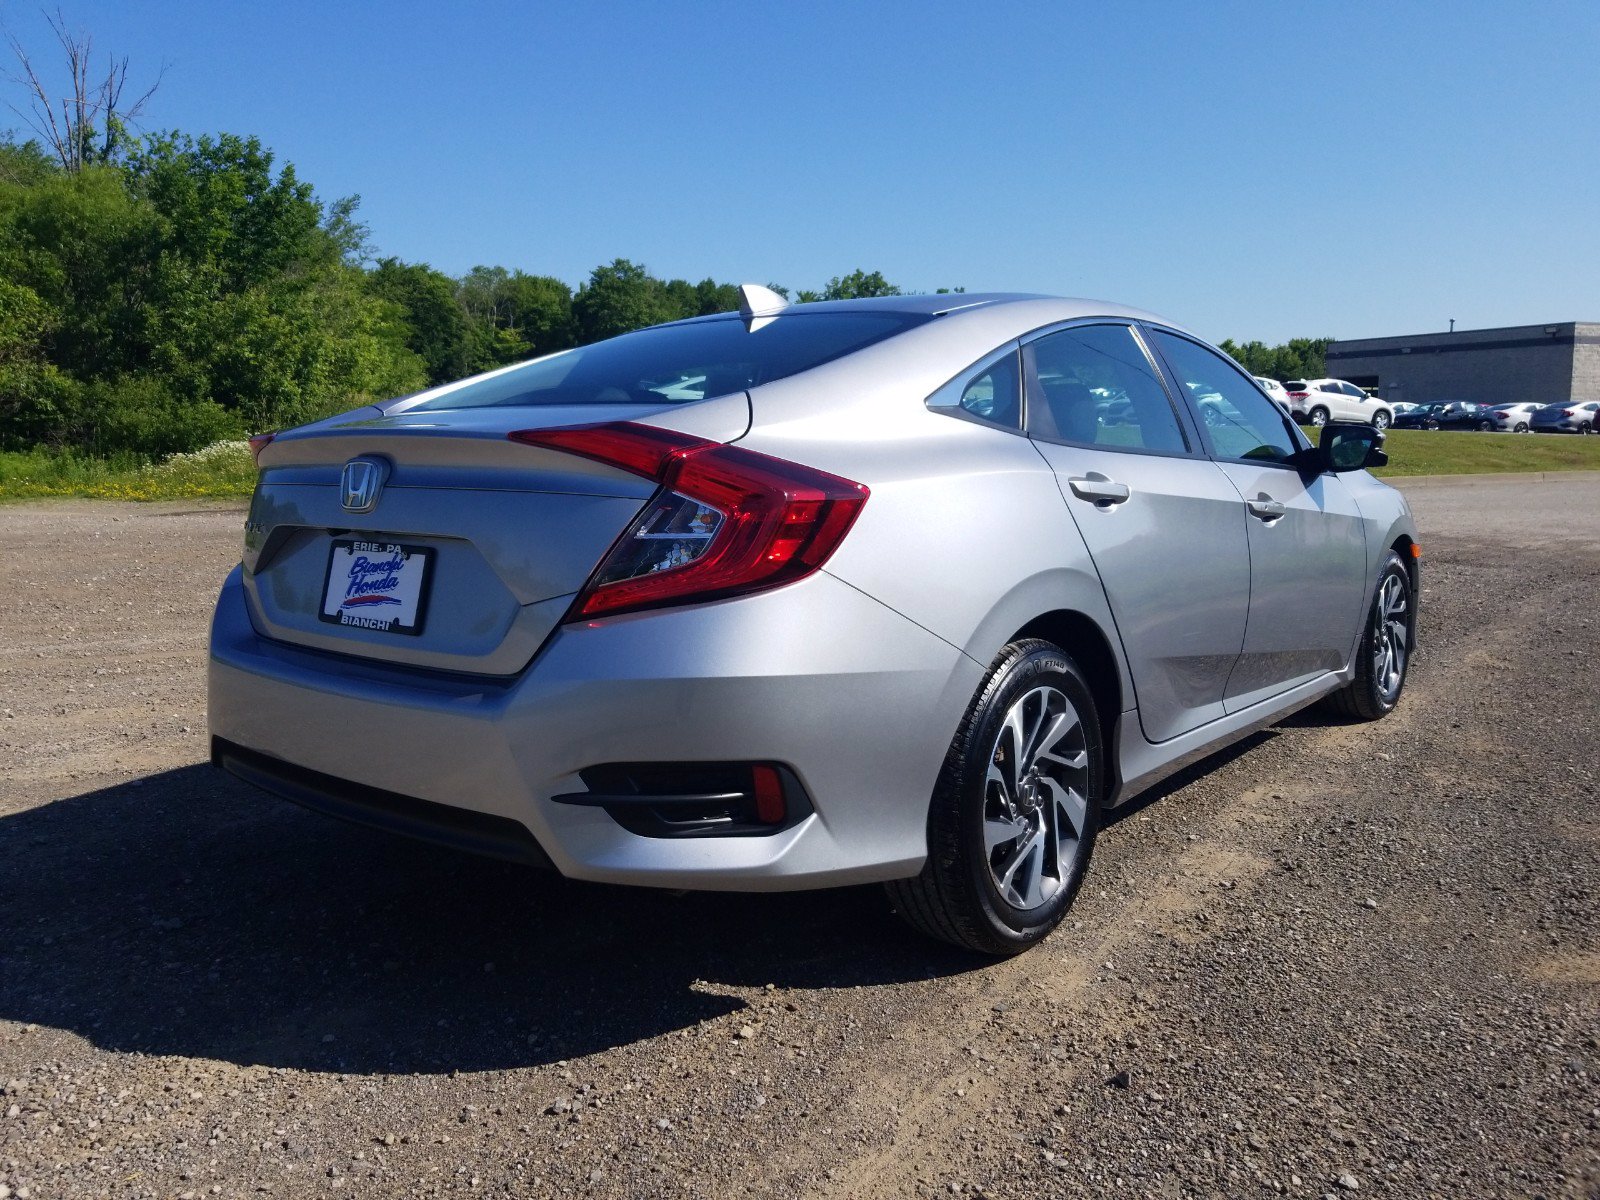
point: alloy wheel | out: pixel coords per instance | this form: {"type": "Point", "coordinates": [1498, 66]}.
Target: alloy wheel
{"type": "Point", "coordinates": [1380, 421]}
{"type": "Point", "coordinates": [1391, 642]}
{"type": "Point", "coordinates": [1035, 804]}
{"type": "Point", "coordinates": [1319, 417]}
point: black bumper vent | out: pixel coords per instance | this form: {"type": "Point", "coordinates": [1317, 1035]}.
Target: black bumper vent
{"type": "Point", "coordinates": [457, 828]}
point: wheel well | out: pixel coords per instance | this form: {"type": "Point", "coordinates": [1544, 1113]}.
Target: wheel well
{"type": "Point", "coordinates": [1402, 547]}
{"type": "Point", "coordinates": [1080, 637]}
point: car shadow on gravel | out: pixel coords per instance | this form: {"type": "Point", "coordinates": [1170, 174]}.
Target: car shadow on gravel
{"type": "Point", "coordinates": [187, 914]}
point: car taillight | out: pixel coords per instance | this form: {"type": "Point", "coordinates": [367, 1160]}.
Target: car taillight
{"type": "Point", "coordinates": [727, 521]}
{"type": "Point", "coordinates": [1298, 395]}
{"type": "Point", "coordinates": [259, 443]}
{"type": "Point", "coordinates": [1567, 412]}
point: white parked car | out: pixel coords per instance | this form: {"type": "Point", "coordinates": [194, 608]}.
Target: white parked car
{"type": "Point", "coordinates": [1279, 394]}
{"type": "Point", "coordinates": [1318, 401]}
{"type": "Point", "coordinates": [1514, 418]}
{"type": "Point", "coordinates": [1274, 389]}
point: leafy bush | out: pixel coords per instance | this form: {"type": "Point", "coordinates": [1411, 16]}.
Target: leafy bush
{"type": "Point", "coordinates": [141, 416]}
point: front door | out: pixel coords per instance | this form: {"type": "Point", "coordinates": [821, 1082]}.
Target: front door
{"type": "Point", "coordinates": [1308, 555]}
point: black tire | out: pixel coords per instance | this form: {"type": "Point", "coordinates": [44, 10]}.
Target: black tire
{"type": "Point", "coordinates": [1380, 421]}
{"type": "Point", "coordinates": [1430, 424]}
{"type": "Point", "coordinates": [955, 898]}
{"type": "Point", "coordinates": [1522, 427]}
{"type": "Point", "coordinates": [1485, 426]}
{"type": "Point", "coordinates": [1365, 698]}
{"type": "Point", "coordinates": [1318, 416]}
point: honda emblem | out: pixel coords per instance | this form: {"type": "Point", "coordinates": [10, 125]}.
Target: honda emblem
{"type": "Point", "coordinates": [363, 483]}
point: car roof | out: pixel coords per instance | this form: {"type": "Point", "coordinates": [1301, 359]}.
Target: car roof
{"type": "Point", "coordinates": [939, 303]}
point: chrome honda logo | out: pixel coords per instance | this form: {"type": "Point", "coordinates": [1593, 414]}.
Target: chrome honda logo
{"type": "Point", "coordinates": [363, 483]}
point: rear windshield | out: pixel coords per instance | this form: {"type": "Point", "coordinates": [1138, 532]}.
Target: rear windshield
{"type": "Point", "coordinates": [1297, 385]}
{"type": "Point", "coordinates": [676, 364]}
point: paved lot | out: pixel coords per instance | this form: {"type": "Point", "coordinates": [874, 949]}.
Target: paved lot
{"type": "Point", "coordinates": [1367, 955]}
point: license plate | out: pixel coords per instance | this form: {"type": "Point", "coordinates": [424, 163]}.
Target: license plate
{"type": "Point", "coordinates": [377, 584]}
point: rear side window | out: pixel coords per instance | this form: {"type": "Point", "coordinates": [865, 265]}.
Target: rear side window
{"type": "Point", "coordinates": [990, 391]}
{"type": "Point", "coordinates": [677, 364]}
{"type": "Point", "coordinates": [1094, 385]}
{"type": "Point", "coordinates": [1239, 420]}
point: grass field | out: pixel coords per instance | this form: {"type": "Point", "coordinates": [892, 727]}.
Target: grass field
{"type": "Point", "coordinates": [221, 471]}
{"type": "Point", "coordinates": [224, 471]}
{"type": "Point", "coordinates": [1442, 452]}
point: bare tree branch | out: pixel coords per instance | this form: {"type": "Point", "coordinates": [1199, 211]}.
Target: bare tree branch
{"type": "Point", "coordinates": [89, 110]}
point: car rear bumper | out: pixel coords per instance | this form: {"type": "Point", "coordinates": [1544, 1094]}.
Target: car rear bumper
{"type": "Point", "coordinates": [858, 701]}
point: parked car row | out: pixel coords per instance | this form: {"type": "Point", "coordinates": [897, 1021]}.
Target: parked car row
{"type": "Point", "coordinates": [1523, 417]}
{"type": "Point", "coordinates": [1316, 402]}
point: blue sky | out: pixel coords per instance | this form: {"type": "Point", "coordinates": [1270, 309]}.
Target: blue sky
{"type": "Point", "coordinates": [1251, 170]}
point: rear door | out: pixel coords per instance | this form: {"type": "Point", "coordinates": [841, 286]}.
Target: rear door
{"type": "Point", "coordinates": [1308, 573]}
{"type": "Point", "coordinates": [1164, 526]}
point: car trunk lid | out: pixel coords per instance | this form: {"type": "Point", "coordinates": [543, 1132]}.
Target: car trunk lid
{"type": "Point", "coordinates": [472, 547]}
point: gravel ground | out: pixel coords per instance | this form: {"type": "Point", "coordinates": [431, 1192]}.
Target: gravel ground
{"type": "Point", "coordinates": [1336, 960]}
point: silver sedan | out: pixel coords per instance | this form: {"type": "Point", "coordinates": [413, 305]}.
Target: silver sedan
{"type": "Point", "coordinates": [909, 590]}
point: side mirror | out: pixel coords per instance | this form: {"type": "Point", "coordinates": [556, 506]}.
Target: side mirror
{"type": "Point", "coordinates": [1343, 447]}
{"type": "Point", "coordinates": [1352, 447]}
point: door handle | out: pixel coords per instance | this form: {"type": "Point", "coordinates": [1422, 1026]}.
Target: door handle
{"type": "Point", "coordinates": [1097, 487]}
{"type": "Point", "coordinates": [1266, 508]}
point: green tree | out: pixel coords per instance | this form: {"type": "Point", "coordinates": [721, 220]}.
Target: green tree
{"type": "Point", "coordinates": [617, 299]}
{"type": "Point", "coordinates": [859, 284]}
{"type": "Point", "coordinates": [194, 291]}
{"type": "Point", "coordinates": [435, 321]}
{"type": "Point", "coordinates": [36, 401]}
{"type": "Point", "coordinates": [513, 316]}
{"type": "Point", "coordinates": [1298, 358]}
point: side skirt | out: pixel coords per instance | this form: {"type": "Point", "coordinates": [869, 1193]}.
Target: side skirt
{"type": "Point", "coordinates": [1142, 764]}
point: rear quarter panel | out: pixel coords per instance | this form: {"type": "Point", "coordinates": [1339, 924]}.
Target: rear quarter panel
{"type": "Point", "coordinates": [965, 532]}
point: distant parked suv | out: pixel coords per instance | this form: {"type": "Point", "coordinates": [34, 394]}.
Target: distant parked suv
{"type": "Point", "coordinates": [1581, 417]}
{"type": "Point", "coordinates": [1318, 401]}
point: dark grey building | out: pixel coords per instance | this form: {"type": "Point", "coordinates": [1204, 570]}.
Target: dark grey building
{"type": "Point", "coordinates": [1548, 364]}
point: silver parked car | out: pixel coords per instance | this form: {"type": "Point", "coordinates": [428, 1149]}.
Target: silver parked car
{"type": "Point", "coordinates": [1571, 417]}
{"type": "Point", "coordinates": [909, 589]}
{"type": "Point", "coordinates": [1513, 418]}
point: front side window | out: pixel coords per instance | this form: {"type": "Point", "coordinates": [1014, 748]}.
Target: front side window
{"type": "Point", "coordinates": [1240, 422]}
{"type": "Point", "coordinates": [1094, 385]}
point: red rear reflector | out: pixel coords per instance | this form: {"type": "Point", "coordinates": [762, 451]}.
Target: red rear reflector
{"type": "Point", "coordinates": [770, 809]}
{"type": "Point", "coordinates": [770, 521]}
{"type": "Point", "coordinates": [259, 443]}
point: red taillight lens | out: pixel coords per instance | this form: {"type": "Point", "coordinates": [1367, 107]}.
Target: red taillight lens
{"type": "Point", "coordinates": [1298, 395]}
{"type": "Point", "coordinates": [259, 443]}
{"type": "Point", "coordinates": [727, 521]}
